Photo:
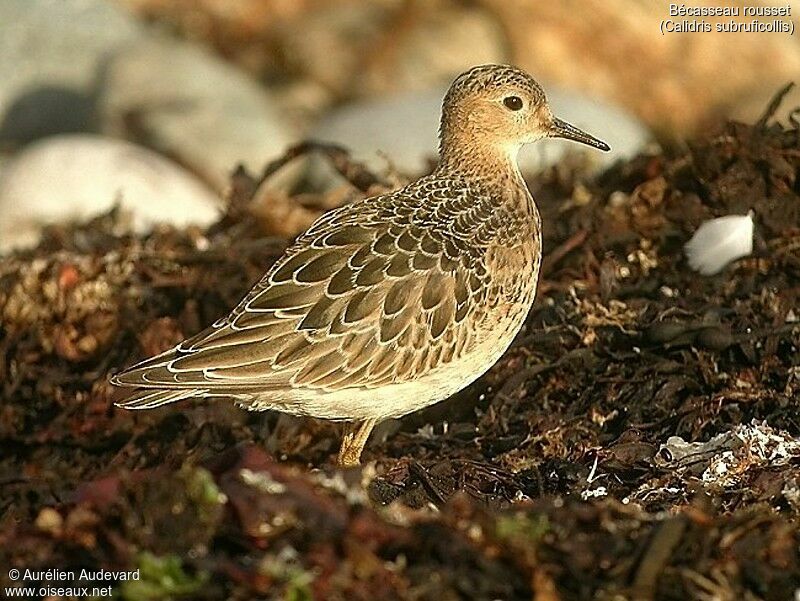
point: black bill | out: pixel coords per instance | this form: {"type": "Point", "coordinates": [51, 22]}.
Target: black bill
{"type": "Point", "coordinates": [562, 129]}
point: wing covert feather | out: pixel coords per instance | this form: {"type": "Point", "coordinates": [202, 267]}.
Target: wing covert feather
{"type": "Point", "coordinates": [370, 294]}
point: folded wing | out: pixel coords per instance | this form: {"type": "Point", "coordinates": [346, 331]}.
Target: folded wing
{"type": "Point", "coordinates": [358, 301]}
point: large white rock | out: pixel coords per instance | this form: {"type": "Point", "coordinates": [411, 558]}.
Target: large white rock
{"type": "Point", "coordinates": [74, 177]}
{"type": "Point", "coordinates": [404, 128]}
{"type": "Point", "coordinates": [190, 104]}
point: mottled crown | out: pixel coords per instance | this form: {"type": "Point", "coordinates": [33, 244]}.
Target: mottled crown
{"type": "Point", "coordinates": [486, 77]}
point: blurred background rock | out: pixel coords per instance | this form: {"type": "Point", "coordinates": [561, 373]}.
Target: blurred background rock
{"type": "Point", "coordinates": [210, 84]}
{"type": "Point", "coordinates": [611, 49]}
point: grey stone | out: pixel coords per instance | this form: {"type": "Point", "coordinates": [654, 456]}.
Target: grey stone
{"type": "Point", "coordinates": [52, 56]}
{"type": "Point", "coordinates": [88, 66]}
{"type": "Point", "coordinates": [191, 105]}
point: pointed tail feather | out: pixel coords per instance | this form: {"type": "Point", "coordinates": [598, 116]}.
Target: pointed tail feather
{"type": "Point", "coordinates": [147, 398]}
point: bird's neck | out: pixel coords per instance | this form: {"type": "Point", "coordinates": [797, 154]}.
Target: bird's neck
{"type": "Point", "coordinates": [493, 168]}
{"type": "Point", "coordinates": [464, 156]}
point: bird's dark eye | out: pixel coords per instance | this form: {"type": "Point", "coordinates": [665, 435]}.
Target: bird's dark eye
{"type": "Point", "coordinates": [513, 102]}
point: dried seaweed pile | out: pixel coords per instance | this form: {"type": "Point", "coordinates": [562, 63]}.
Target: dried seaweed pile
{"type": "Point", "coordinates": [639, 438]}
{"type": "Point", "coordinates": [627, 346]}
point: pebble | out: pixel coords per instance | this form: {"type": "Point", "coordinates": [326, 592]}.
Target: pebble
{"type": "Point", "coordinates": [49, 520]}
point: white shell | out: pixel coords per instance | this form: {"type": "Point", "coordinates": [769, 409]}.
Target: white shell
{"type": "Point", "coordinates": [719, 241]}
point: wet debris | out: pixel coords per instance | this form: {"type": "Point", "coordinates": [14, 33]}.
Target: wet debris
{"type": "Point", "coordinates": [639, 439]}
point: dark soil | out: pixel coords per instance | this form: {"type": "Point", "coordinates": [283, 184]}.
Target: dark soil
{"type": "Point", "coordinates": [564, 473]}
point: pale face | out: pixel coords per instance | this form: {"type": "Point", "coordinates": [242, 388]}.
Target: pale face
{"type": "Point", "coordinates": [507, 115]}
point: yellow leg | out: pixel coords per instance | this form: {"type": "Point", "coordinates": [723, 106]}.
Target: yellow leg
{"type": "Point", "coordinates": [353, 442]}
{"type": "Point", "coordinates": [347, 440]}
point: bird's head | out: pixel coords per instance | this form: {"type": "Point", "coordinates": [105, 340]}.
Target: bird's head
{"type": "Point", "coordinates": [498, 109]}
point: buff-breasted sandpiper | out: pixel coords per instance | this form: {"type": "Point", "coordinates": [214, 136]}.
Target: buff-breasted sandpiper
{"type": "Point", "coordinates": [395, 302]}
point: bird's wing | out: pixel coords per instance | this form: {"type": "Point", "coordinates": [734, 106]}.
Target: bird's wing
{"type": "Point", "coordinates": [367, 296]}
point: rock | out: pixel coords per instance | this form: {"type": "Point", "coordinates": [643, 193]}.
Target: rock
{"type": "Point", "coordinates": [403, 128]}
{"type": "Point", "coordinates": [328, 45]}
{"type": "Point", "coordinates": [194, 107]}
{"type": "Point", "coordinates": [239, 30]}
{"type": "Point", "coordinates": [398, 129]}
{"type": "Point", "coordinates": [347, 47]}
{"type": "Point", "coordinates": [74, 177]}
{"type": "Point", "coordinates": [88, 66]}
{"type": "Point", "coordinates": [52, 55]}
{"type": "Point", "coordinates": [750, 108]}
{"type": "Point", "coordinates": [362, 48]}
{"type": "Point", "coordinates": [677, 83]}
{"type": "Point", "coordinates": [435, 40]}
